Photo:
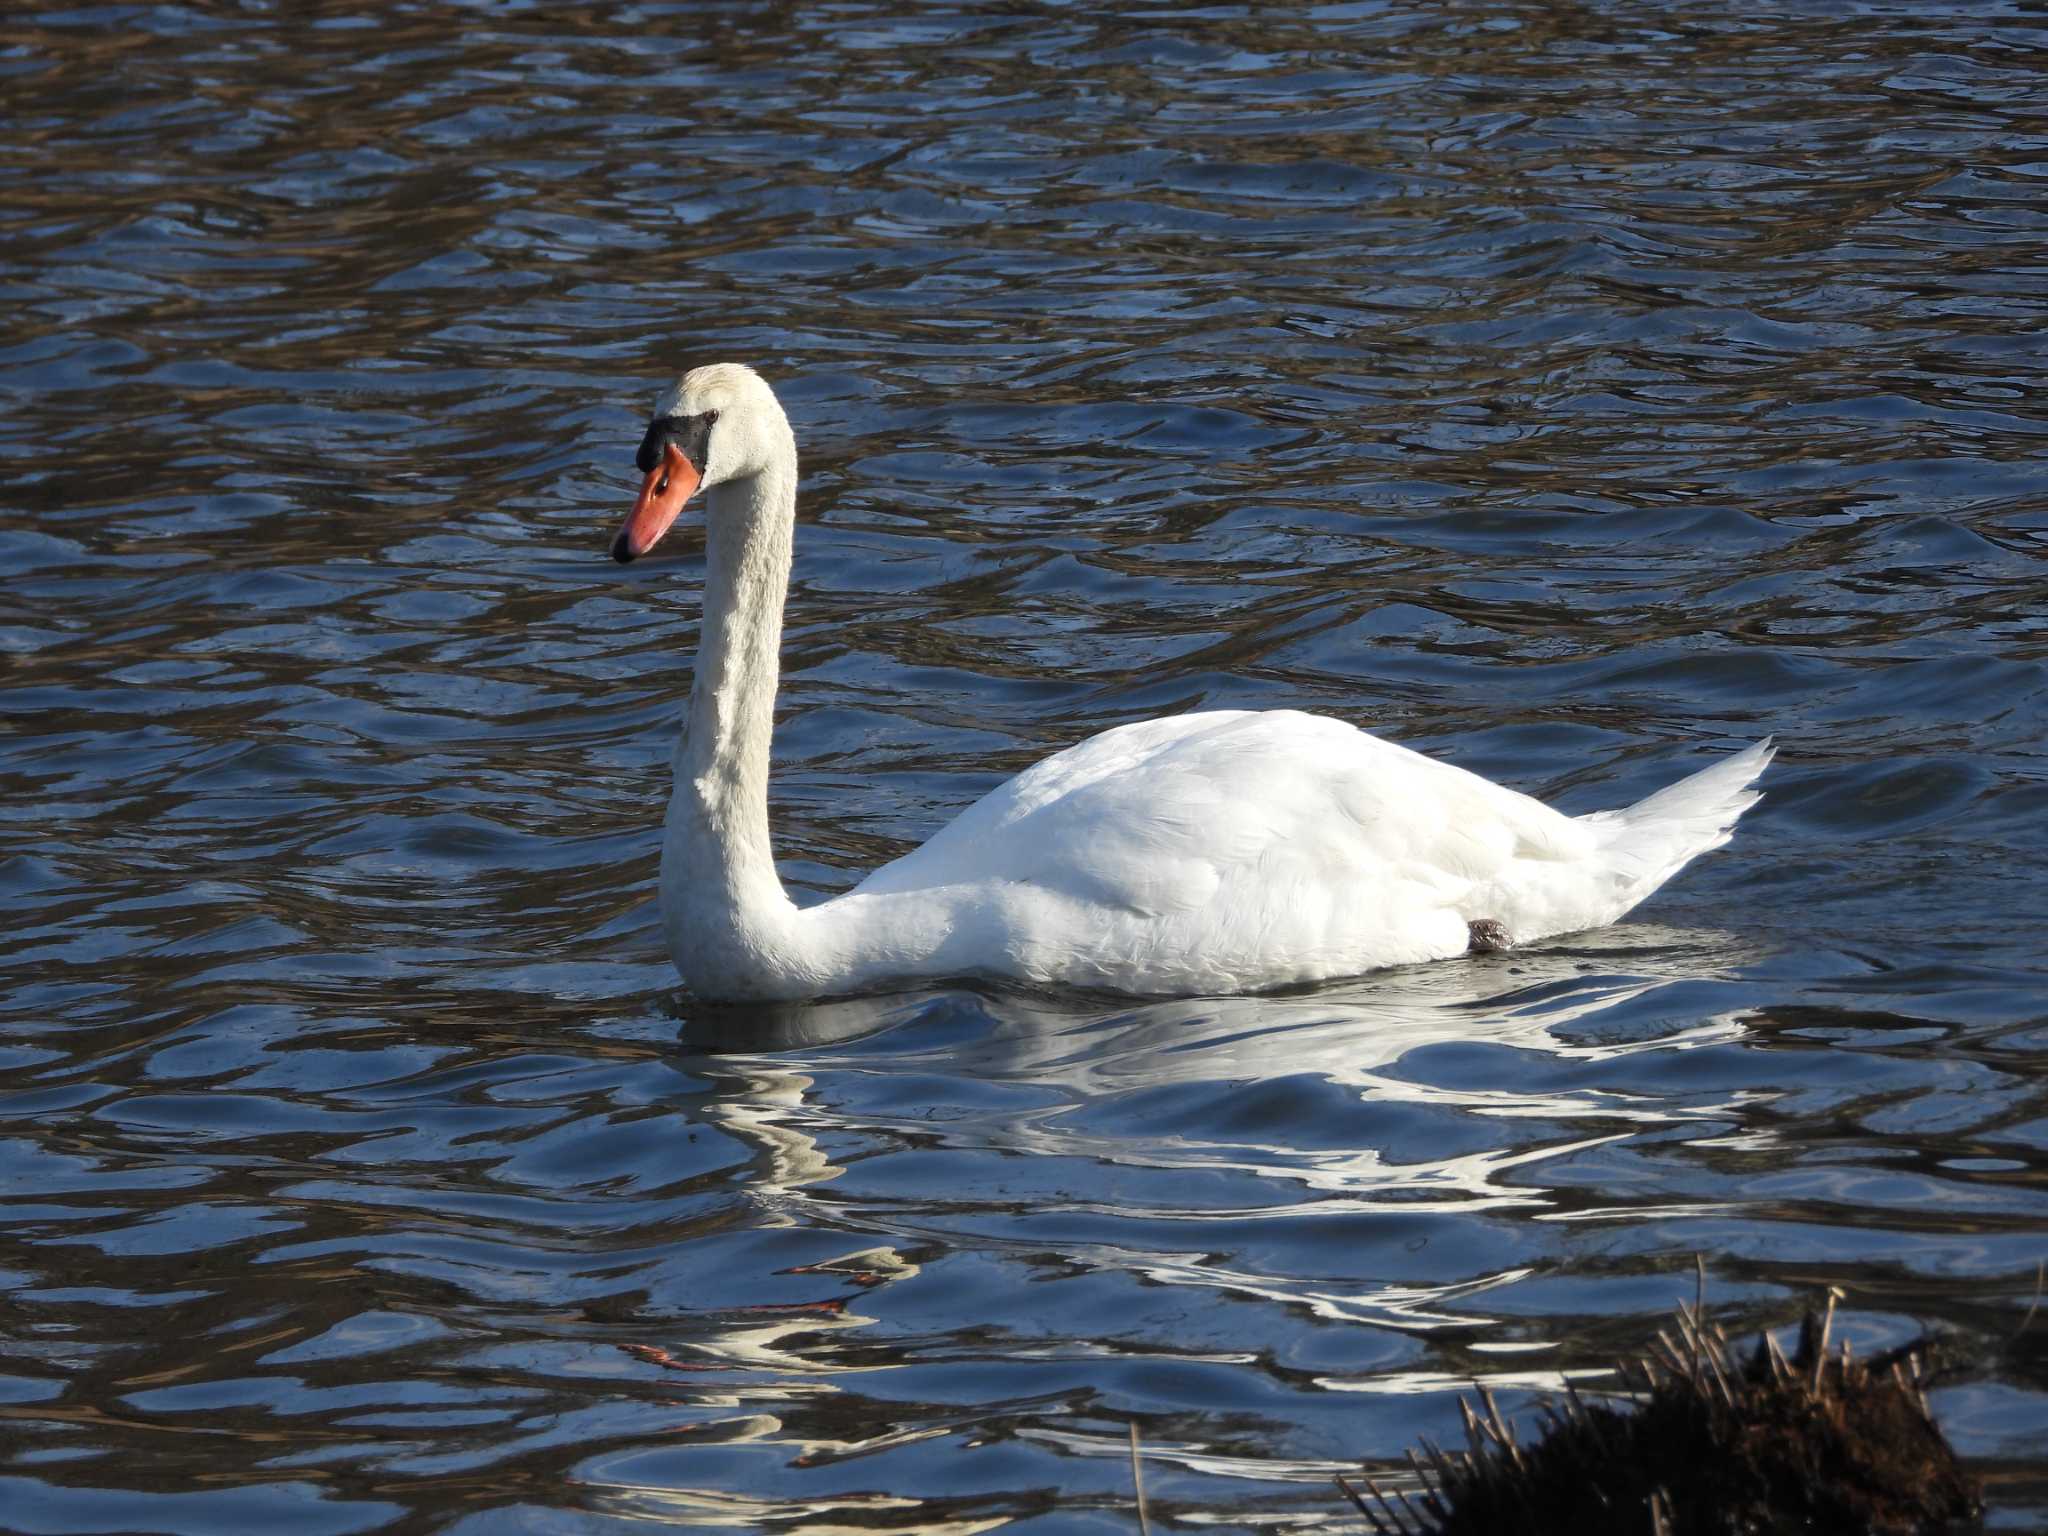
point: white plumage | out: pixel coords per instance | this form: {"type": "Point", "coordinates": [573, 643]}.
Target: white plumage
{"type": "Point", "coordinates": [1219, 852]}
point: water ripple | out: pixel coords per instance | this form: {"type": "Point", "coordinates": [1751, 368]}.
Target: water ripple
{"type": "Point", "coordinates": [1556, 389]}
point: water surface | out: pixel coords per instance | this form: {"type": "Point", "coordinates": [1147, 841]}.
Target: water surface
{"type": "Point", "coordinates": [1576, 392]}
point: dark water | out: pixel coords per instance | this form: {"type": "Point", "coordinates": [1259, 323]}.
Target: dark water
{"type": "Point", "coordinates": [1572, 390]}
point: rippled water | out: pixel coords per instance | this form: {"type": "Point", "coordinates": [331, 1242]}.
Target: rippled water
{"type": "Point", "coordinates": [1573, 391]}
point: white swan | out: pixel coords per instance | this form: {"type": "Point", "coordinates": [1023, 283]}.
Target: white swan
{"type": "Point", "coordinates": [1231, 851]}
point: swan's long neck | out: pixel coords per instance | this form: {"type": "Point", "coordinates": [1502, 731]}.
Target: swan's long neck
{"type": "Point", "coordinates": [733, 931]}
{"type": "Point", "coordinates": [723, 905]}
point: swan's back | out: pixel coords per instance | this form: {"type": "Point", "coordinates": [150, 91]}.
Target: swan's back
{"type": "Point", "coordinates": [1239, 849]}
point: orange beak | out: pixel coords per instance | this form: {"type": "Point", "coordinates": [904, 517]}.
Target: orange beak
{"type": "Point", "coordinates": [662, 494]}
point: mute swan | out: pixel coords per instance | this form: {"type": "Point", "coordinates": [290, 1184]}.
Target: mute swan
{"type": "Point", "coordinates": [1229, 851]}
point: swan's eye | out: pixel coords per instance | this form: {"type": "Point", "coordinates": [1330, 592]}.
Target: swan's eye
{"type": "Point", "coordinates": [688, 433]}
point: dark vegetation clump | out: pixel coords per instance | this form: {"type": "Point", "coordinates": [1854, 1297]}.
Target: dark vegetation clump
{"type": "Point", "coordinates": [1822, 1445]}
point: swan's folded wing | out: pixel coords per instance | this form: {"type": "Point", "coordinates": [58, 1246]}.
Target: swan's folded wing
{"type": "Point", "coordinates": [1266, 808]}
{"type": "Point", "coordinates": [1110, 820]}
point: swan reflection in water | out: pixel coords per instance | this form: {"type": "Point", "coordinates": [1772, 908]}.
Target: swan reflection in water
{"type": "Point", "coordinates": [1519, 998]}
{"type": "Point", "coordinates": [1226, 1084]}
{"type": "Point", "coordinates": [1049, 1135]}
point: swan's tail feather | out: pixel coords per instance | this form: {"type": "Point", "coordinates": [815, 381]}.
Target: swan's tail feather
{"type": "Point", "coordinates": [1649, 842]}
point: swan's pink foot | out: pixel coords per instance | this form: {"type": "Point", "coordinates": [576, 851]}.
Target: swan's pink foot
{"type": "Point", "coordinates": [1489, 935]}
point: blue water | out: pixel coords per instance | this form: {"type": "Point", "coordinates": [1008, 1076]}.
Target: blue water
{"type": "Point", "coordinates": [1572, 392]}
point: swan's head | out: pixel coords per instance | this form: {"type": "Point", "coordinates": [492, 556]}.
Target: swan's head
{"type": "Point", "coordinates": [717, 423]}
